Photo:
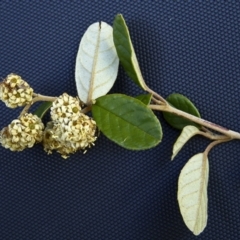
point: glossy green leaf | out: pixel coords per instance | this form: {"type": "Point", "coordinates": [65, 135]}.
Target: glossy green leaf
{"type": "Point", "coordinates": [125, 51]}
{"type": "Point", "coordinates": [42, 109]}
{"type": "Point", "coordinates": [182, 103]}
{"type": "Point", "coordinates": [127, 121]}
{"type": "Point", "coordinates": [144, 98]}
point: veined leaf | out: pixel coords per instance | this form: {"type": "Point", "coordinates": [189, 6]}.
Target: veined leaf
{"type": "Point", "coordinates": [192, 193]}
{"type": "Point", "coordinates": [186, 134]}
{"type": "Point", "coordinates": [42, 109]}
{"type": "Point", "coordinates": [182, 103]}
{"type": "Point", "coordinates": [144, 98]}
{"type": "Point", "coordinates": [96, 63]}
{"type": "Point", "coordinates": [127, 121]}
{"type": "Point", "coordinates": [125, 51]}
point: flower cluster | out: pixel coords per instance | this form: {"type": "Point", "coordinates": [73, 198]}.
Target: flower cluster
{"type": "Point", "coordinates": [70, 130]}
{"type": "Point", "coordinates": [22, 133]}
{"type": "Point", "coordinates": [15, 92]}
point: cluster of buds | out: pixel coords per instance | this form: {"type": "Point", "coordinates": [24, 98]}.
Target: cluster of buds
{"type": "Point", "coordinates": [15, 92]}
{"type": "Point", "coordinates": [70, 130]}
{"type": "Point", "coordinates": [27, 130]}
{"type": "Point", "coordinates": [22, 133]}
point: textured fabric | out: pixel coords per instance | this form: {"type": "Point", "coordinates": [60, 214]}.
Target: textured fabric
{"type": "Point", "coordinates": [189, 47]}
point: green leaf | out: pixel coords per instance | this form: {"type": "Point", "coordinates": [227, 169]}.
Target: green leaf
{"type": "Point", "coordinates": [42, 109]}
{"type": "Point", "coordinates": [144, 98]}
{"type": "Point", "coordinates": [127, 121]}
{"type": "Point", "coordinates": [125, 51]}
{"type": "Point", "coordinates": [182, 103]}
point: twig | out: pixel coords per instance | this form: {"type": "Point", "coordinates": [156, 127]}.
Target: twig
{"type": "Point", "coordinates": [213, 144]}
{"type": "Point", "coordinates": [167, 108]}
{"type": "Point", "coordinates": [37, 97]}
{"type": "Point", "coordinates": [212, 136]}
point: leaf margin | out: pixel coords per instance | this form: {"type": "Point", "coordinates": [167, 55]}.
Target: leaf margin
{"type": "Point", "coordinates": [126, 52]}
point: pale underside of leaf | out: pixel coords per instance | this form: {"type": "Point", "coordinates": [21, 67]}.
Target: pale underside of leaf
{"type": "Point", "coordinates": [137, 67]}
{"type": "Point", "coordinates": [187, 133]}
{"type": "Point", "coordinates": [192, 193]}
{"type": "Point", "coordinates": [96, 63]}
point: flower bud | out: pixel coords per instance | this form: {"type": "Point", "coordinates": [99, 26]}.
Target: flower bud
{"type": "Point", "coordinates": [22, 133]}
{"type": "Point", "coordinates": [15, 92]}
{"type": "Point", "coordinates": [65, 108]}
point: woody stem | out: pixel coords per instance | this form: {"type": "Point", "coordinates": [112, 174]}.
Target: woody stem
{"type": "Point", "coordinates": [200, 121]}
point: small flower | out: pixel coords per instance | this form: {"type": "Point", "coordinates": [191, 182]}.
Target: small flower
{"type": "Point", "coordinates": [80, 133]}
{"type": "Point", "coordinates": [49, 141]}
{"type": "Point", "coordinates": [22, 133]}
{"type": "Point", "coordinates": [66, 139]}
{"type": "Point", "coordinates": [65, 108]}
{"type": "Point", "coordinates": [15, 92]}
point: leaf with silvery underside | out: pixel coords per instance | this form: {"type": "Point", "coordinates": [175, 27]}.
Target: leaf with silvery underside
{"type": "Point", "coordinates": [96, 63]}
{"type": "Point", "coordinates": [127, 121]}
{"type": "Point", "coordinates": [192, 193]}
{"type": "Point", "coordinates": [125, 51]}
{"type": "Point", "coordinates": [144, 98]}
{"type": "Point", "coordinates": [187, 133]}
{"type": "Point", "coordinates": [182, 103]}
{"type": "Point", "coordinates": [42, 109]}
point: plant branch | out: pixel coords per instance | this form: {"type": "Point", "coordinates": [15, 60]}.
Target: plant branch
{"type": "Point", "coordinates": [43, 98]}
{"type": "Point", "coordinates": [37, 97]}
{"type": "Point", "coordinates": [213, 144]}
{"type": "Point", "coordinates": [167, 108]}
{"type": "Point", "coordinates": [213, 136]}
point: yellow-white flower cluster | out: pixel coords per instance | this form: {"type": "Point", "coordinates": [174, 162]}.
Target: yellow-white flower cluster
{"type": "Point", "coordinates": [65, 108]}
{"type": "Point", "coordinates": [22, 133]}
{"type": "Point", "coordinates": [15, 92]}
{"type": "Point", "coordinates": [70, 130]}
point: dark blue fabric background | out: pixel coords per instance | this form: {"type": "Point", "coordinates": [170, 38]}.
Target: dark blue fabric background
{"type": "Point", "coordinates": [190, 47]}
